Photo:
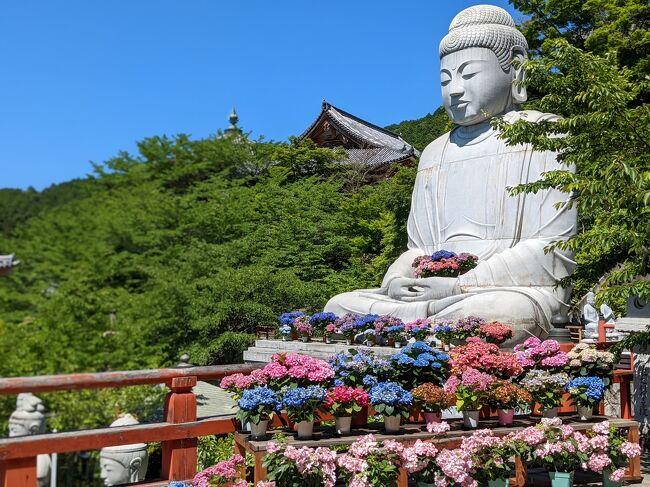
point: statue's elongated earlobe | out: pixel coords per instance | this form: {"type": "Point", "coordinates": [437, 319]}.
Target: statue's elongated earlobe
{"type": "Point", "coordinates": [519, 94]}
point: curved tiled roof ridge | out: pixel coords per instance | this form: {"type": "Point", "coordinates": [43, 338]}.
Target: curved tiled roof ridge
{"type": "Point", "coordinates": [362, 131]}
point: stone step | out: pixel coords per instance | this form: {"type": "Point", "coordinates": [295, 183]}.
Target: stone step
{"type": "Point", "coordinates": [263, 350]}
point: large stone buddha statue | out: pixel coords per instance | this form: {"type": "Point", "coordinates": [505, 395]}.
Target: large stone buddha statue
{"type": "Point", "coordinates": [461, 202]}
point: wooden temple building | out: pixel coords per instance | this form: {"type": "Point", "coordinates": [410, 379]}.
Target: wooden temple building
{"type": "Point", "coordinates": [377, 151]}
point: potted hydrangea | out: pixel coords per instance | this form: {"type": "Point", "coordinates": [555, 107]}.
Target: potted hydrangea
{"type": "Point", "coordinates": [418, 363]}
{"type": "Point", "coordinates": [455, 332]}
{"type": "Point", "coordinates": [301, 404]}
{"type": "Point", "coordinates": [546, 388]}
{"type": "Point", "coordinates": [505, 397]}
{"type": "Point", "coordinates": [288, 466]}
{"type": "Point", "coordinates": [256, 407]}
{"type": "Point", "coordinates": [369, 463]}
{"type": "Point", "coordinates": [495, 332]}
{"type": "Point", "coordinates": [304, 328]}
{"type": "Point", "coordinates": [419, 329]}
{"type": "Point", "coordinates": [347, 326]}
{"type": "Point", "coordinates": [492, 455]}
{"type": "Point", "coordinates": [328, 332]}
{"type": "Point", "coordinates": [586, 361]}
{"type": "Point", "coordinates": [285, 332]}
{"type": "Point", "coordinates": [288, 318]}
{"type": "Point", "coordinates": [320, 323]}
{"type": "Point", "coordinates": [610, 453]}
{"type": "Point", "coordinates": [471, 390]}
{"type": "Point", "coordinates": [585, 393]}
{"type": "Point", "coordinates": [386, 328]}
{"type": "Point", "coordinates": [396, 335]}
{"type": "Point", "coordinates": [561, 451]}
{"type": "Point", "coordinates": [432, 400]}
{"type": "Point", "coordinates": [342, 402]}
{"type": "Point", "coordinates": [224, 473]}
{"type": "Point", "coordinates": [389, 399]}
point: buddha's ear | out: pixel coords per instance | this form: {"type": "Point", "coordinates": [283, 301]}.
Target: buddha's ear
{"type": "Point", "coordinates": [134, 467]}
{"type": "Point", "coordinates": [519, 94]}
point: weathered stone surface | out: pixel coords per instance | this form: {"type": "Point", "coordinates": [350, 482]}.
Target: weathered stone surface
{"type": "Point", "coordinates": [265, 349]}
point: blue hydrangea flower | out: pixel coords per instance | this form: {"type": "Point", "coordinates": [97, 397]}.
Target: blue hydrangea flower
{"type": "Point", "coordinates": [287, 318]}
{"type": "Point", "coordinates": [366, 320]}
{"type": "Point", "coordinates": [442, 254]}
{"type": "Point", "coordinates": [251, 399]}
{"type": "Point", "coordinates": [592, 387]}
{"type": "Point", "coordinates": [299, 396]}
{"type": "Point", "coordinates": [322, 318]}
{"type": "Point", "coordinates": [403, 359]}
{"type": "Point", "coordinates": [390, 393]}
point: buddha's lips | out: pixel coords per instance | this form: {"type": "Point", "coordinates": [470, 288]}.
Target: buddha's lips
{"type": "Point", "coordinates": [461, 104]}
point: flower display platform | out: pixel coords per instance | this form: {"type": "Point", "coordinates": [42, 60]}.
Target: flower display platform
{"type": "Point", "coordinates": [263, 350]}
{"type": "Point", "coordinates": [326, 437]}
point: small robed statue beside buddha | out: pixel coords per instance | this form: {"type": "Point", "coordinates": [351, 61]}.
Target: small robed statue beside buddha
{"type": "Point", "coordinates": [461, 200]}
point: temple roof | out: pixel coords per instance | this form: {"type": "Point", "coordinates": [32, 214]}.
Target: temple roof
{"type": "Point", "coordinates": [363, 141]}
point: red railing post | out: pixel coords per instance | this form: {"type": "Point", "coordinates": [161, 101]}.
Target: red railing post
{"type": "Point", "coordinates": [20, 472]}
{"type": "Point", "coordinates": [179, 457]}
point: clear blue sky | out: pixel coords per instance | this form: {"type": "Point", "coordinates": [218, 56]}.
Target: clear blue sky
{"type": "Point", "coordinates": [83, 79]}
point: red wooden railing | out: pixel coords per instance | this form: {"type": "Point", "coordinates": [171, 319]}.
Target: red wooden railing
{"type": "Point", "coordinates": [178, 434]}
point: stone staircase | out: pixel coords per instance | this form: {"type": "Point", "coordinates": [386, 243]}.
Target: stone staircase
{"type": "Point", "coordinates": [263, 350]}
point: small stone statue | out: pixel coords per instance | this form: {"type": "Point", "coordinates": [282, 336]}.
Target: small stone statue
{"type": "Point", "coordinates": [608, 314]}
{"type": "Point", "coordinates": [590, 317]}
{"type": "Point", "coordinates": [124, 464]}
{"type": "Point", "coordinates": [29, 419]}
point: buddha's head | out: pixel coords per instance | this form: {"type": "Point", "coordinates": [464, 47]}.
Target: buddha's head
{"type": "Point", "coordinates": [478, 76]}
{"type": "Point", "coordinates": [124, 464]}
{"type": "Point", "coordinates": [29, 416]}
{"type": "Point", "coordinates": [591, 298]}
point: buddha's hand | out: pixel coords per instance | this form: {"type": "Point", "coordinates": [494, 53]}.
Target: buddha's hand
{"type": "Point", "coordinates": [423, 289]}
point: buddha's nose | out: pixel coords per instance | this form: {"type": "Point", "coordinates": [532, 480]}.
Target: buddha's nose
{"type": "Point", "coordinates": [456, 88]}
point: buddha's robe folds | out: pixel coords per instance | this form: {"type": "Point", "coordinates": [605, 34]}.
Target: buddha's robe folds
{"type": "Point", "coordinates": [461, 203]}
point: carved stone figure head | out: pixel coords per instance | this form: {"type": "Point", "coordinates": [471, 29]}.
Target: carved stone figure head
{"type": "Point", "coordinates": [124, 464]}
{"type": "Point", "coordinates": [478, 77]}
{"type": "Point", "coordinates": [591, 298]}
{"type": "Point", "coordinates": [29, 416]}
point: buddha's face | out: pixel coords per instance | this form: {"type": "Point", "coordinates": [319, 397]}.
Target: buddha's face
{"type": "Point", "coordinates": [474, 87]}
{"type": "Point", "coordinates": [113, 472]}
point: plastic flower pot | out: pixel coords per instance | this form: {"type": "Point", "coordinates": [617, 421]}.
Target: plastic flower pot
{"type": "Point", "coordinates": [506, 416]}
{"type": "Point", "coordinates": [343, 424]}
{"type": "Point", "coordinates": [397, 345]}
{"type": "Point", "coordinates": [561, 479]}
{"type": "Point", "coordinates": [585, 413]}
{"type": "Point", "coordinates": [499, 483]}
{"type": "Point", "coordinates": [550, 413]}
{"type": "Point", "coordinates": [329, 340]}
{"type": "Point", "coordinates": [432, 417]}
{"type": "Point", "coordinates": [258, 431]}
{"type": "Point", "coordinates": [470, 419]}
{"type": "Point", "coordinates": [348, 341]}
{"type": "Point", "coordinates": [305, 430]}
{"type": "Point", "coordinates": [305, 339]}
{"type": "Point", "coordinates": [392, 424]}
{"type": "Point", "coordinates": [294, 335]}
{"type": "Point", "coordinates": [606, 480]}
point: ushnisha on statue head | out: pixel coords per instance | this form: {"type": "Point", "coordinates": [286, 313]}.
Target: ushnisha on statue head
{"type": "Point", "coordinates": [124, 464]}
{"type": "Point", "coordinates": [477, 74]}
{"type": "Point", "coordinates": [29, 416]}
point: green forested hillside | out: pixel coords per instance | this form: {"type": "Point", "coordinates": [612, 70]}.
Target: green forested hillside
{"type": "Point", "coordinates": [423, 130]}
{"type": "Point", "coordinates": [186, 246]}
